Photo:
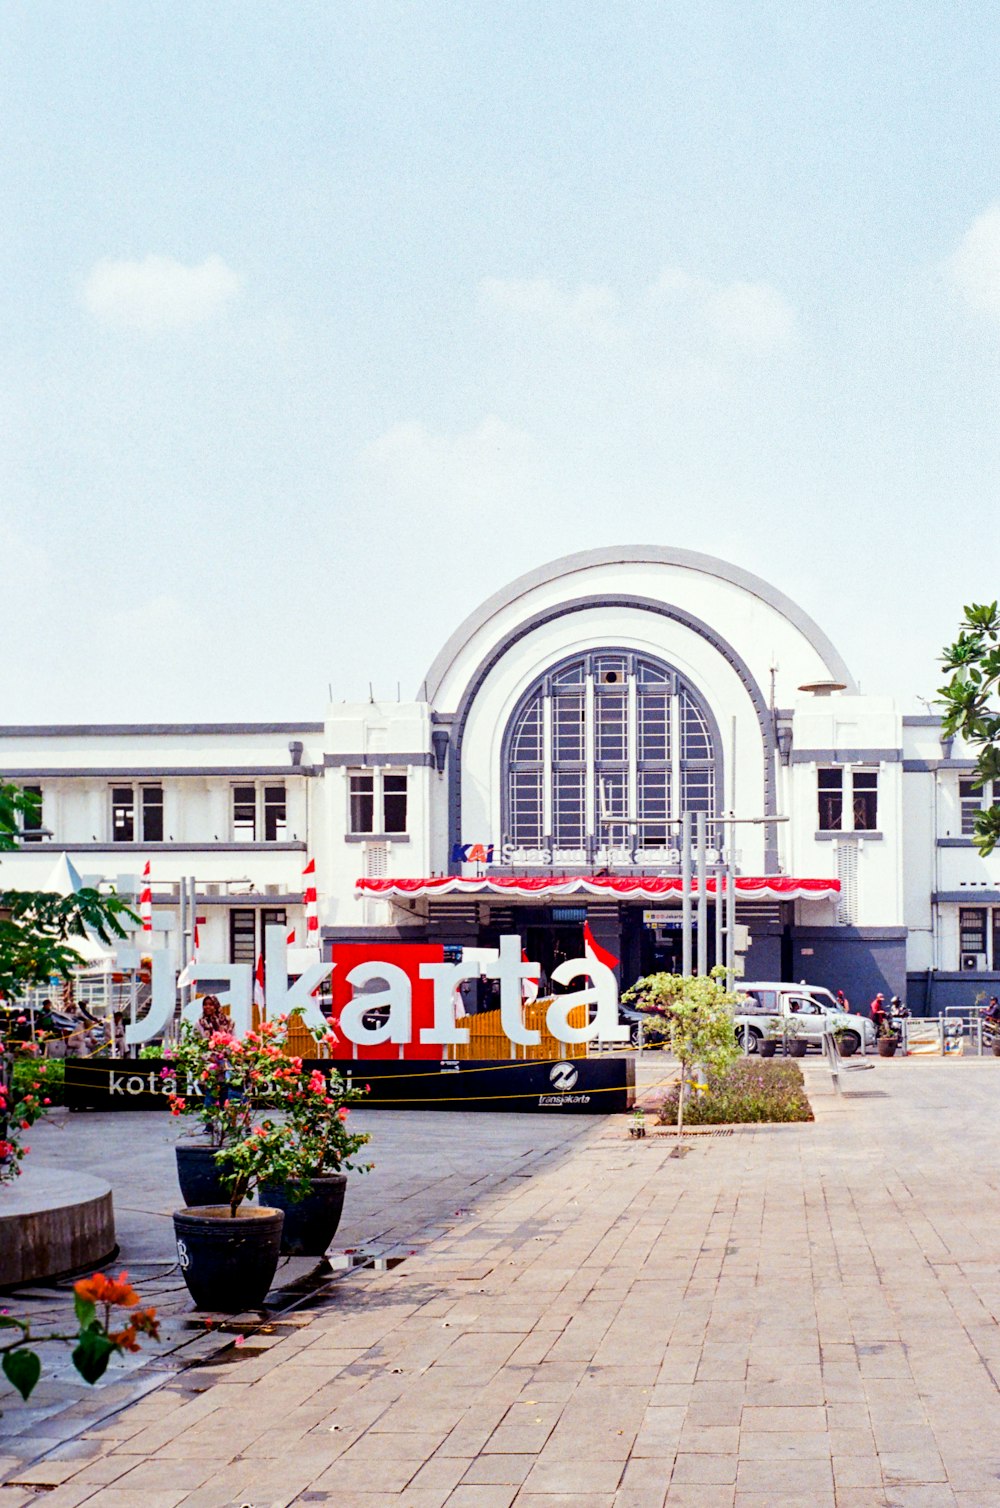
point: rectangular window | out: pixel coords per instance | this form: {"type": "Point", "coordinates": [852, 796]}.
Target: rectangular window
{"type": "Point", "coordinates": [612, 727]}
{"type": "Point", "coordinates": [526, 806]}
{"type": "Point", "coordinates": [31, 820]}
{"type": "Point", "coordinates": [152, 813]}
{"type": "Point", "coordinates": [245, 813]}
{"type": "Point", "coordinates": [243, 936]}
{"type": "Point", "coordinates": [567, 808]}
{"type": "Point", "coordinates": [831, 800]}
{"type": "Point", "coordinates": [275, 814]}
{"type": "Point", "coordinates": [970, 796]}
{"type": "Point", "coordinates": [394, 803]}
{"type": "Point", "coordinates": [972, 929]}
{"type": "Point", "coordinates": [865, 790]}
{"type": "Point", "coordinates": [122, 814]}
{"type": "Point", "coordinates": [567, 727]}
{"type": "Point", "coordinates": [362, 803]}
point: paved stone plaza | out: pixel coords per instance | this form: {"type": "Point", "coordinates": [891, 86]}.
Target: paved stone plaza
{"type": "Point", "coordinates": [789, 1315]}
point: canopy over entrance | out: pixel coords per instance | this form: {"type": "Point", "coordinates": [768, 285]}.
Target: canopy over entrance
{"type": "Point", "coordinates": [625, 887]}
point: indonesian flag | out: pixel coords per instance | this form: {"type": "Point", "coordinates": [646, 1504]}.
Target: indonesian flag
{"type": "Point", "coordinates": [309, 897]}
{"type": "Point", "coordinates": [529, 987]}
{"type": "Point", "coordinates": [146, 900]}
{"type": "Point", "coordinates": [258, 983]}
{"type": "Point", "coordinates": [594, 952]}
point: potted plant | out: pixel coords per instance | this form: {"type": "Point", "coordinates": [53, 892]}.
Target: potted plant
{"type": "Point", "coordinates": [768, 1044]}
{"type": "Point", "coordinates": [228, 1250]}
{"type": "Point", "coordinates": [796, 1045]}
{"type": "Point", "coordinates": [846, 1039]}
{"type": "Point", "coordinates": [317, 1110]}
{"type": "Point", "coordinates": [887, 1041]}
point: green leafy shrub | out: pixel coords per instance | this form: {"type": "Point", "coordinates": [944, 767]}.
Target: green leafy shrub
{"type": "Point", "coordinates": [48, 1073]}
{"type": "Point", "coordinates": [751, 1090]}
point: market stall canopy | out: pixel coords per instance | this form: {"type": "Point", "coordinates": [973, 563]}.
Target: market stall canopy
{"type": "Point", "coordinates": [627, 887]}
{"type": "Point", "coordinates": [64, 879]}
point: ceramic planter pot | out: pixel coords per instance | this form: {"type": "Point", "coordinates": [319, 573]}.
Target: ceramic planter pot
{"type": "Point", "coordinates": [228, 1262]}
{"type": "Point", "coordinates": [887, 1047]}
{"type": "Point", "coordinates": [198, 1174]}
{"type": "Point", "coordinates": [797, 1049]}
{"type": "Point", "coordinates": [310, 1223]}
{"type": "Point", "coordinates": [766, 1048]}
{"type": "Point", "coordinates": [848, 1045]}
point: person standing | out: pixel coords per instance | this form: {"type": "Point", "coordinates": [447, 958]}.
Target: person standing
{"type": "Point", "coordinates": [842, 1001]}
{"type": "Point", "coordinates": [877, 1012]}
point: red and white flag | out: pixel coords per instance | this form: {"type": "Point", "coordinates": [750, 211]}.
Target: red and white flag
{"type": "Point", "coordinates": [146, 900]}
{"type": "Point", "coordinates": [258, 983]}
{"type": "Point", "coordinates": [309, 898]}
{"type": "Point", "coordinates": [594, 952]}
{"type": "Point", "coordinates": [290, 939]}
{"type": "Point", "coordinates": [529, 986]}
{"type": "Point", "coordinates": [187, 974]}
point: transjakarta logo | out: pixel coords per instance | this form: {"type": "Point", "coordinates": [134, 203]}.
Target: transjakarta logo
{"type": "Point", "coordinates": [563, 1076]}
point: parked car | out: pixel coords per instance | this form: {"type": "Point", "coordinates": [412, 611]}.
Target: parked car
{"type": "Point", "coordinates": [815, 1010]}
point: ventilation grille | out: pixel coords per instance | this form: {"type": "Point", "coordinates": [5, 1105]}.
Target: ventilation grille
{"type": "Point", "coordinates": [847, 874]}
{"type": "Point", "coordinates": [375, 856]}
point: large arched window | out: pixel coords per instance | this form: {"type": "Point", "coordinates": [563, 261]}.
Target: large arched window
{"type": "Point", "coordinates": [607, 750]}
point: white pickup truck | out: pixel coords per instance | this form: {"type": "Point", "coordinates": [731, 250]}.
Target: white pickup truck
{"type": "Point", "coordinates": [815, 1011]}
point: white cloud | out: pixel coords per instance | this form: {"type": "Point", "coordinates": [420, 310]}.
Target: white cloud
{"type": "Point", "coordinates": [682, 313]}
{"type": "Point", "coordinates": [974, 267]}
{"type": "Point", "coordinates": [743, 317]}
{"type": "Point", "coordinates": [492, 465]}
{"type": "Point", "coordinates": [590, 308]}
{"type": "Point", "coordinates": [159, 293]}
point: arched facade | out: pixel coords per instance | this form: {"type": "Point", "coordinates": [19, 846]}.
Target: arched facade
{"type": "Point", "coordinates": [604, 751]}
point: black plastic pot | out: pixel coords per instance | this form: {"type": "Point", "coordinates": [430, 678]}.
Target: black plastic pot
{"type": "Point", "coordinates": [228, 1262]}
{"type": "Point", "coordinates": [198, 1174]}
{"type": "Point", "coordinates": [310, 1223]}
{"type": "Point", "coordinates": [797, 1048]}
{"type": "Point", "coordinates": [766, 1048]}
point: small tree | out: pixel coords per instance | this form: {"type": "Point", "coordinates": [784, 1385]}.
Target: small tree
{"type": "Point", "coordinates": [972, 706]}
{"type": "Point", "coordinates": [696, 1014]}
{"type": "Point", "coordinates": [37, 927]}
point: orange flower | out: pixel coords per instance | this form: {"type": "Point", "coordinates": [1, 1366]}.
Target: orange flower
{"type": "Point", "coordinates": [100, 1289]}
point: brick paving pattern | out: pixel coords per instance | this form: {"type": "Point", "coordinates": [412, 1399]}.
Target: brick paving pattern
{"type": "Point", "coordinates": [787, 1316]}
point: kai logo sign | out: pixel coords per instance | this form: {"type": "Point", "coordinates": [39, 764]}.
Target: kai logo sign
{"type": "Point", "coordinates": [378, 991]}
{"type": "Point", "coordinates": [472, 853]}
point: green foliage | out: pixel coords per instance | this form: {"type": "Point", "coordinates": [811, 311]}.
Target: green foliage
{"type": "Point", "coordinates": [48, 1073]}
{"type": "Point", "coordinates": [749, 1090]}
{"type": "Point", "coordinates": [37, 927]}
{"type": "Point", "coordinates": [92, 1352]}
{"type": "Point", "coordinates": [94, 1342]}
{"type": "Point", "coordinates": [972, 705]}
{"type": "Point", "coordinates": [229, 1081]}
{"type": "Point", "coordinates": [696, 1015]}
{"type": "Point", "coordinates": [22, 1370]}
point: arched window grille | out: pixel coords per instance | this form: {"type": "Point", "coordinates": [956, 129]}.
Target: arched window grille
{"type": "Point", "coordinates": [607, 750]}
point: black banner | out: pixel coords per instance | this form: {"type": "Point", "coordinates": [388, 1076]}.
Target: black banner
{"type": "Point", "coordinates": [566, 1086]}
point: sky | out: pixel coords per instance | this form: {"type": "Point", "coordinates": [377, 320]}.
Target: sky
{"type": "Point", "coordinates": [319, 322]}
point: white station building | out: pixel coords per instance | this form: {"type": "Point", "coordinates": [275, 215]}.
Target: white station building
{"type": "Point", "coordinates": [538, 780]}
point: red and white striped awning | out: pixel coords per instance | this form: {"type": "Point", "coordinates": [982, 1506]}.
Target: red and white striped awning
{"type": "Point", "coordinates": [628, 887]}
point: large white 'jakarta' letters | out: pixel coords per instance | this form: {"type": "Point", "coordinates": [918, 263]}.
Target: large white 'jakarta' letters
{"type": "Point", "coordinates": [395, 997]}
